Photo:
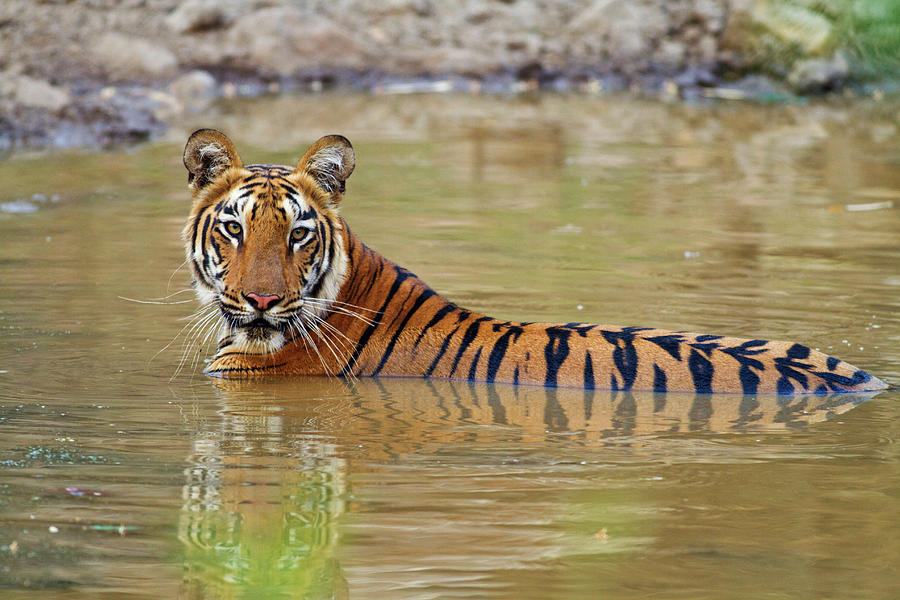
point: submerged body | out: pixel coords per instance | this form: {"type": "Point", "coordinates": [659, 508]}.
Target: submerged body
{"type": "Point", "coordinates": [300, 294]}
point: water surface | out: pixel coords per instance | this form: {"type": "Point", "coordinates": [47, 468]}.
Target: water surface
{"type": "Point", "coordinates": [125, 471]}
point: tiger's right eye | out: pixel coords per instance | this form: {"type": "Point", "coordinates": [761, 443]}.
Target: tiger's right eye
{"type": "Point", "coordinates": [233, 227]}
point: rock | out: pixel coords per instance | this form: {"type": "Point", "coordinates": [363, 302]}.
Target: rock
{"type": "Point", "coordinates": [195, 90]}
{"type": "Point", "coordinates": [818, 74]}
{"type": "Point", "coordinates": [22, 90]}
{"type": "Point", "coordinates": [791, 24]}
{"type": "Point", "coordinates": [461, 61]}
{"type": "Point", "coordinates": [625, 31]}
{"type": "Point", "coordinates": [197, 15]}
{"type": "Point", "coordinates": [711, 13]}
{"type": "Point", "coordinates": [125, 58]}
{"type": "Point", "coordinates": [286, 41]}
{"type": "Point", "coordinates": [706, 49]}
{"type": "Point", "coordinates": [772, 34]}
{"type": "Point", "coordinates": [112, 116]}
{"type": "Point", "coordinates": [670, 52]}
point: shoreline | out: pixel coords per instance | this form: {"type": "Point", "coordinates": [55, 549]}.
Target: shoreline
{"type": "Point", "coordinates": [114, 73]}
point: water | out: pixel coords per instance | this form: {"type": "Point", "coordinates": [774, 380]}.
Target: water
{"type": "Point", "coordinates": [122, 475]}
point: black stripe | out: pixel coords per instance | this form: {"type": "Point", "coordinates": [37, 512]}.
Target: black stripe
{"type": "Point", "coordinates": [399, 311]}
{"type": "Point", "coordinates": [401, 276]}
{"type": "Point", "coordinates": [438, 316]}
{"type": "Point", "coordinates": [832, 362]}
{"type": "Point", "coordinates": [798, 351]}
{"type": "Point", "coordinates": [376, 276]}
{"type": "Point", "coordinates": [474, 368]}
{"type": "Point", "coordinates": [660, 383]}
{"type": "Point", "coordinates": [555, 352]}
{"type": "Point", "coordinates": [701, 372]}
{"type": "Point", "coordinates": [749, 379]}
{"type": "Point", "coordinates": [309, 213]}
{"type": "Point", "coordinates": [440, 353]}
{"type": "Point", "coordinates": [588, 371]}
{"type": "Point", "coordinates": [670, 343]}
{"type": "Point", "coordinates": [499, 351]}
{"type": "Point", "coordinates": [401, 329]}
{"type": "Point", "coordinates": [468, 338]}
{"type": "Point", "coordinates": [206, 224]}
{"type": "Point", "coordinates": [325, 264]}
{"type": "Point", "coordinates": [246, 369]}
{"type": "Point", "coordinates": [625, 358]}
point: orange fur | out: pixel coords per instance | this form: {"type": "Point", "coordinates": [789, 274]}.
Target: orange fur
{"type": "Point", "coordinates": [345, 310]}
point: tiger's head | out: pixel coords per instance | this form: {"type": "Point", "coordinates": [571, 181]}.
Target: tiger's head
{"type": "Point", "coordinates": [264, 242]}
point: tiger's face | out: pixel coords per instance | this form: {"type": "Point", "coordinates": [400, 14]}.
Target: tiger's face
{"type": "Point", "coordinates": [264, 242]}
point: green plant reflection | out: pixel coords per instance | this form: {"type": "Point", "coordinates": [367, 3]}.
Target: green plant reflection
{"type": "Point", "coordinates": [260, 512]}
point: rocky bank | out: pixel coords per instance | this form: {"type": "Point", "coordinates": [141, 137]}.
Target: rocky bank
{"type": "Point", "coordinates": [100, 72]}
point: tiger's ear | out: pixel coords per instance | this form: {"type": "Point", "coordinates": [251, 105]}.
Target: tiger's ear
{"type": "Point", "coordinates": [330, 161]}
{"type": "Point", "coordinates": [207, 154]}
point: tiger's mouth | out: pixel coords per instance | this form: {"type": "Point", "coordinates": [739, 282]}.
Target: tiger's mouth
{"type": "Point", "coordinates": [253, 328]}
{"type": "Point", "coordinates": [255, 335]}
{"type": "Point", "coordinates": [259, 329]}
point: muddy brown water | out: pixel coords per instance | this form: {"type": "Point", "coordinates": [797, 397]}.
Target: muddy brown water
{"type": "Point", "coordinates": [121, 475]}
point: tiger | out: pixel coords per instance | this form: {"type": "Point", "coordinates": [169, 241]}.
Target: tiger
{"type": "Point", "coordinates": [296, 292]}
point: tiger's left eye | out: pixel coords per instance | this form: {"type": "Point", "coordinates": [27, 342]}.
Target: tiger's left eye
{"type": "Point", "coordinates": [233, 227]}
{"type": "Point", "coordinates": [298, 233]}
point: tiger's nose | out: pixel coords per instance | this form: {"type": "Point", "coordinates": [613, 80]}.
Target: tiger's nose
{"type": "Point", "coordinates": [262, 301]}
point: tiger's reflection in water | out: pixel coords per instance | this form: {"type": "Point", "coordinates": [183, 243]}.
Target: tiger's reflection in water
{"type": "Point", "coordinates": [269, 483]}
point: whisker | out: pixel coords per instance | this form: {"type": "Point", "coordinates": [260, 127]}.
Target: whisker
{"type": "Point", "coordinates": [198, 314]}
{"type": "Point", "coordinates": [198, 326]}
{"type": "Point", "coordinates": [324, 306]}
{"type": "Point", "coordinates": [158, 301]}
{"type": "Point", "coordinates": [178, 268]}
{"type": "Point", "coordinates": [329, 338]}
{"type": "Point", "coordinates": [320, 321]}
{"type": "Point", "coordinates": [308, 338]}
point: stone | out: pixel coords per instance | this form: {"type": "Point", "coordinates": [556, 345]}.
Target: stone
{"type": "Point", "coordinates": [808, 30]}
{"type": "Point", "coordinates": [711, 13]}
{"type": "Point", "coordinates": [197, 15]}
{"type": "Point", "coordinates": [25, 91]}
{"type": "Point", "coordinates": [125, 58]}
{"type": "Point", "coordinates": [195, 90]}
{"type": "Point", "coordinates": [812, 75]}
{"type": "Point", "coordinates": [286, 41]}
{"type": "Point", "coordinates": [625, 31]}
{"type": "Point", "coordinates": [670, 52]}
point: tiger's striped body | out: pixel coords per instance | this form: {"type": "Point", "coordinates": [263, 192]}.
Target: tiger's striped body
{"type": "Point", "coordinates": [357, 314]}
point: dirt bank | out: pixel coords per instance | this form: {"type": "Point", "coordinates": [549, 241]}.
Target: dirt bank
{"type": "Point", "coordinates": [99, 72]}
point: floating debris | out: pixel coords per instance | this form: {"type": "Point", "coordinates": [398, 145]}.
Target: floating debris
{"type": "Point", "coordinates": [864, 206]}
{"type": "Point", "coordinates": [19, 207]}
{"type": "Point", "coordinates": [568, 228]}
{"type": "Point", "coordinates": [74, 491]}
{"type": "Point", "coordinates": [120, 529]}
